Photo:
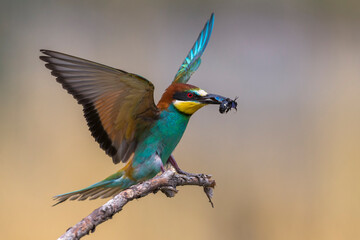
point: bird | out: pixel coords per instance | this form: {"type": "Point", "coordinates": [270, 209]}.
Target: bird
{"type": "Point", "coordinates": [122, 117]}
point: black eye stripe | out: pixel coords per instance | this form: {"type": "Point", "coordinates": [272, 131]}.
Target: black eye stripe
{"type": "Point", "coordinates": [184, 96]}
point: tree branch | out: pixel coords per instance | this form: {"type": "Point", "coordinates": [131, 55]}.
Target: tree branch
{"type": "Point", "coordinates": [166, 182]}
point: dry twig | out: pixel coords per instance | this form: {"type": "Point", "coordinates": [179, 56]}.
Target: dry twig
{"type": "Point", "coordinates": [167, 183]}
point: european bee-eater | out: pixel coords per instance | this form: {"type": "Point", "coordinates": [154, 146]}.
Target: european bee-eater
{"type": "Point", "coordinates": [121, 114]}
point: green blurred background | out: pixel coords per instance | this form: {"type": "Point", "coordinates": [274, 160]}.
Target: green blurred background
{"type": "Point", "coordinates": [286, 163]}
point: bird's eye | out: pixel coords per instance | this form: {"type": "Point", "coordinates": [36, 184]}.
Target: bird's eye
{"type": "Point", "coordinates": [190, 95]}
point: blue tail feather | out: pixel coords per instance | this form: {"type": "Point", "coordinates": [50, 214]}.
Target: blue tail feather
{"type": "Point", "coordinates": [106, 188]}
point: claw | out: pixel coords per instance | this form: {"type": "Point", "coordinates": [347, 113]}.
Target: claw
{"type": "Point", "coordinates": [173, 163]}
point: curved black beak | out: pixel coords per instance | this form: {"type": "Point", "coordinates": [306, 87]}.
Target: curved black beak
{"type": "Point", "coordinates": [226, 104]}
{"type": "Point", "coordinates": [213, 99]}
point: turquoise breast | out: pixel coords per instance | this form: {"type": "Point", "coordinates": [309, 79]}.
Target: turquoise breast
{"type": "Point", "coordinates": [161, 139]}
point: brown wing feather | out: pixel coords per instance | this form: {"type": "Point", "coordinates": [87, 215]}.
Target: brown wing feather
{"type": "Point", "coordinates": [118, 105]}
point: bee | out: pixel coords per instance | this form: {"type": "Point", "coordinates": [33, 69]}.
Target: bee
{"type": "Point", "coordinates": [227, 105]}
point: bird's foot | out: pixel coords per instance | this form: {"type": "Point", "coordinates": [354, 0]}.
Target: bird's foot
{"type": "Point", "coordinates": [187, 174]}
{"type": "Point", "coordinates": [173, 163]}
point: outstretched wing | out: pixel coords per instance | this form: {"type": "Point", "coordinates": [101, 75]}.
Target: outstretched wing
{"type": "Point", "coordinates": [193, 60]}
{"type": "Point", "coordinates": [118, 105]}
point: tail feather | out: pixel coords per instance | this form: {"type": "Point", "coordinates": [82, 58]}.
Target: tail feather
{"type": "Point", "coordinates": [79, 195]}
{"type": "Point", "coordinates": [94, 194]}
{"type": "Point", "coordinates": [91, 193]}
{"type": "Point", "coordinates": [99, 193]}
{"type": "Point", "coordinates": [109, 193]}
{"type": "Point", "coordinates": [104, 189]}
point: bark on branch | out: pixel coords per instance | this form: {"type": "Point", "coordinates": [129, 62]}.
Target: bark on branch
{"type": "Point", "coordinates": [167, 183]}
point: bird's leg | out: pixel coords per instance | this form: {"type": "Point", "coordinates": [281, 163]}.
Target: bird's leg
{"type": "Point", "coordinates": [162, 168]}
{"type": "Point", "coordinates": [172, 161]}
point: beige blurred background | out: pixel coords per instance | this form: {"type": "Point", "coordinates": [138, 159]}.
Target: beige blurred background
{"type": "Point", "coordinates": [286, 163]}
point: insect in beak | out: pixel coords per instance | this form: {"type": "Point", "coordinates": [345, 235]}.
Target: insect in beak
{"type": "Point", "coordinates": [226, 104]}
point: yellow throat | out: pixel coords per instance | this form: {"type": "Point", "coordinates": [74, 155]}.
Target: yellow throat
{"type": "Point", "coordinates": [187, 107]}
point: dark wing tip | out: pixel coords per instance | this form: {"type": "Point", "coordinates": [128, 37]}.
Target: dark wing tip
{"type": "Point", "coordinates": [115, 159]}
{"type": "Point", "coordinates": [44, 58]}
{"type": "Point", "coordinates": [46, 52]}
{"type": "Point", "coordinates": [92, 117]}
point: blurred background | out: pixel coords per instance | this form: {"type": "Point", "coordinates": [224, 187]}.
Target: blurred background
{"type": "Point", "coordinates": [286, 163]}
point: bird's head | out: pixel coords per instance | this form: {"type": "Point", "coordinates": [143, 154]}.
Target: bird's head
{"type": "Point", "coordinates": [187, 98]}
